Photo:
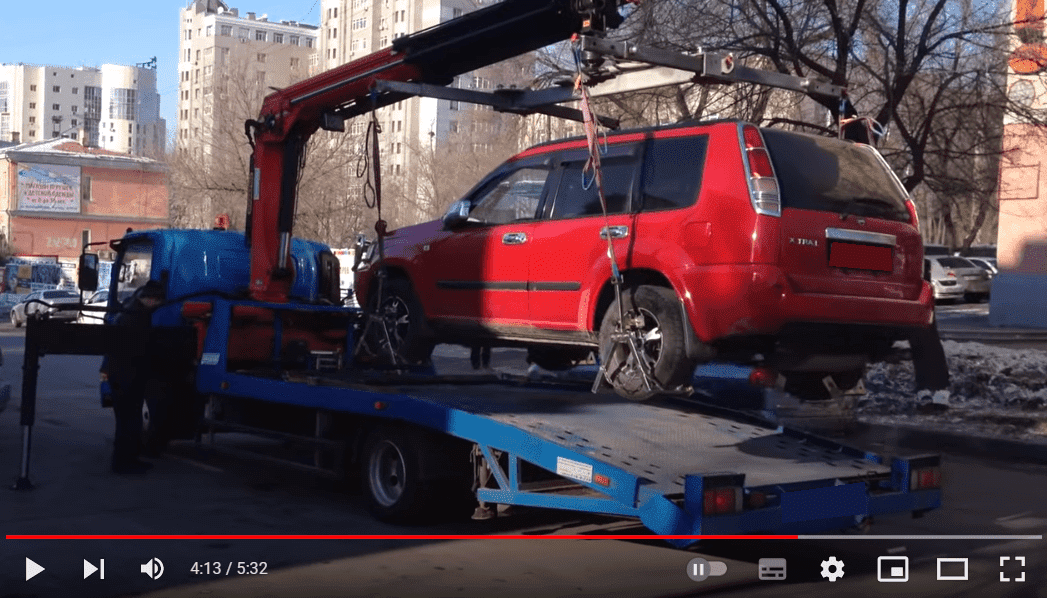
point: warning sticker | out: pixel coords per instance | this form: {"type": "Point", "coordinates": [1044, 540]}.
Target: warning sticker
{"type": "Point", "coordinates": [575, 470]}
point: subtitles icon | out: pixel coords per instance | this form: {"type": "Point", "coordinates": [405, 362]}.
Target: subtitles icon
{"type": "Point", "coordinates": [892, 568]}
{"type": "Point", "coordinates": [772, 569]}
{"type": "Point", "coordinates": [952, 569]}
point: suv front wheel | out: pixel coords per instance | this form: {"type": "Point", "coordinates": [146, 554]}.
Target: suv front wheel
{"type": "Point", "coordinates": [399, 327]}
{"type": "Point", "coordinates": [647, 354]}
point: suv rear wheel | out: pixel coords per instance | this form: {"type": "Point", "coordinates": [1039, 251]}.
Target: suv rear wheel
{"type": "Point", "coordinates": [400, 326]}
{"type": "Point", "coordinates": [653, 324]}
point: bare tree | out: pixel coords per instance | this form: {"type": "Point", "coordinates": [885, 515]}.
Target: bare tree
{"type": "Point", "coordinates": [209, 170]}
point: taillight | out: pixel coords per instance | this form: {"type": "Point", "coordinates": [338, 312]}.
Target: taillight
{"type": "Point", "coordinates": [720, 501]}
{"type": "Point", "coordinates": [914, 218]}
{"type": "Point", "coordinates": [763, 185]}
{"type": "Point", "coordinates": [765, 377]}
{"type": "Point", "coordinates": [928, 478]}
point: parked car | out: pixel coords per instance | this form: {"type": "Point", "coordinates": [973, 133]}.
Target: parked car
{"type": "Point", "coordinates": [986, 263]}
{"type": "Point", "coordinates": [99, 299]}
{"type": "Point", "coordinates": [975, 280]}
{"type": "Point", "coordinates": [44, 301]}
{"type": "Point", "coordinates": [791, 251]}
{"type": "Point", "coordinates": [947, 285]}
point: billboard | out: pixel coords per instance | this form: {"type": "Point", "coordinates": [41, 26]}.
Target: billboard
{"type": "Point", "coordinates": [48, 188]}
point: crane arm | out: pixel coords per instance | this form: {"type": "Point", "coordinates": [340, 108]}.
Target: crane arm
{"type": "Point", "coordinates": [435, 55]}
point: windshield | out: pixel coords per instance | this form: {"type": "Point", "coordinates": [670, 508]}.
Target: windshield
{"type": "Point", "coordinates": [59, 294]}
{"type": "Point", "coordinates": [955, 262]}
{"type": "Point", "coordinates": [136, 264]}
{"type": "Point", "coordinates": [820, 173]}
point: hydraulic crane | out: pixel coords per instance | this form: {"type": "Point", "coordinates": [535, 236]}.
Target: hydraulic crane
{"type": "Point", "coordinates": [432, 56]}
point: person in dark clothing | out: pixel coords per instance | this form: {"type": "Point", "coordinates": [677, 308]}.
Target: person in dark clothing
{"type": "Point", "coordinates": [129, 370]}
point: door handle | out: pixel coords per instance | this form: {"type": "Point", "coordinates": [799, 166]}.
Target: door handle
{"type": "Point", "coordinates": [514, 238]}
{"type": "Point", "coordinates": [616, 232]}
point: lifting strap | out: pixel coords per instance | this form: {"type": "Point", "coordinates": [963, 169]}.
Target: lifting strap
{"type": "Point", "coordinates": [368, 167]}
{"type": "Point", "coordinates": [592, 165]}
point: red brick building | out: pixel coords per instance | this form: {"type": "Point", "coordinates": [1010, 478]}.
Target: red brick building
{"type": "Point", "coordinates": [57, 195]}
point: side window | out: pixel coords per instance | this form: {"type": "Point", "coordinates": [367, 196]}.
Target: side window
{"type": "Point", "coordinates": [512, 199]}
{"type": "Point", "coordinates": [673, 173]}
{"type": "Point", "coordinates": [578, 197]}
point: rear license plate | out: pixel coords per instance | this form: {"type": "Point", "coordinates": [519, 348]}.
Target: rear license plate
{"type": "Point", "coordinates": [861, 257]}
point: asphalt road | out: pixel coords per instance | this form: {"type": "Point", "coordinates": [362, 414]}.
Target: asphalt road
{"type": "Point", "coordinates": [194, 493]}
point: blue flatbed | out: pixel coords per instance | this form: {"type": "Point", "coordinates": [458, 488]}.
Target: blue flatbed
{"type": "Point", "coordinates": [654, 460]}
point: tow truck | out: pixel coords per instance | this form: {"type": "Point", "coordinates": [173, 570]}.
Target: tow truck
{"type": "Point", "coordinates": [261, 355]}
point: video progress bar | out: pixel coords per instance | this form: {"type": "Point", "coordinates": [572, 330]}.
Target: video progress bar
{"type": "Point", "coordinates": [512, 537]}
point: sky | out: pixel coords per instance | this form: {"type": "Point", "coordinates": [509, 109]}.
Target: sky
{"type": "Point", "coordinates": [126, 32]}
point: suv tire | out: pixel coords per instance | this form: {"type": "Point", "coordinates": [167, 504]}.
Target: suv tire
{"type": "Point", "coordinates": [654, 315]}
{"type": "Point", "coordinates": [401, 312]}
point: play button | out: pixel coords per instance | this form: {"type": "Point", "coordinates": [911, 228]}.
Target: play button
{"type": "Point", "coordinates": [31, 569]}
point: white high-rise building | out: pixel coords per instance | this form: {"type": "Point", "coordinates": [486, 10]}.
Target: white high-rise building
{"type": "Point", "coordinates": [112, 107]}
{"type": "Point", "coordinates": [226, 58]}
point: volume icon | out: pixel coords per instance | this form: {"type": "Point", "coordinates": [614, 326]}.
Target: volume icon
{"type": "Point", "coordinates": [154, 568]}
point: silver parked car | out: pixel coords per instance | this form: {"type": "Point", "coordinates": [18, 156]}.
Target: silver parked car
{"type": "Point", "coordinates": [975, 280]}
{"type": "Point", "coordinates": [44, 301]}
{"type": "Point", "coordinates": [986, 263]}
{"type": "Point", "coordinates": [946, 284]}
{"type": "Point", "coordinates": [99, 299]}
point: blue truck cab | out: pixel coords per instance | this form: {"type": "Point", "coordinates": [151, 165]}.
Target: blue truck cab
{"type": "Point", "coordinates": [201, 264]}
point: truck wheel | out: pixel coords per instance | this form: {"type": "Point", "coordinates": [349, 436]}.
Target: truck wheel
{"type": "Point", "coordinates": [155, 414]}
{"type": "Point", "coordinates": [410, 477]}
{"type": "Point", "coordinates": [654, 323]}
{"type": "Point", "coordinates": [556, 360]}
{"type": "Point", "coordinates": [404, 331]}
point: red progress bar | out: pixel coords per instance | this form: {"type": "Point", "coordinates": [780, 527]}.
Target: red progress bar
{"type": "Point", "coordinates": [383, 537]}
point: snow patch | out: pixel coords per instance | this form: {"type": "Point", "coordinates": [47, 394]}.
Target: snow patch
{"type": "Point", "coordinates": [993, 391]}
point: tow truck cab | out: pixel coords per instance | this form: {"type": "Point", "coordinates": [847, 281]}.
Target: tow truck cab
{"type": "Point", "coordinates": [198, 264]}
{"type": "Point", "coordinates": [201, 265]}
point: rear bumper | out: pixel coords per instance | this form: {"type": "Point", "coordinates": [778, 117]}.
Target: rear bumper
{"type": "Point", "coordinates": [728, 301]}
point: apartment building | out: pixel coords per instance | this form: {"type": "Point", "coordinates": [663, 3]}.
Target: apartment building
{"type": "Point", "coordinates": [226, 58]}
{"type": "Point", "coordinates": [111, 107]}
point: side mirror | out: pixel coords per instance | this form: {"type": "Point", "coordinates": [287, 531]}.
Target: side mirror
{"type": "Point", "coordinates": [457, 214]}
{"type": "Point", "coordinates": [87, 273]}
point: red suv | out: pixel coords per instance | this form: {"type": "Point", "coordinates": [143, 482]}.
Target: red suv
{"type": "Point", "coordinates": [789, 251]}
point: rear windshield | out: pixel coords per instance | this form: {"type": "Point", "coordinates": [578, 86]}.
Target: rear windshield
{"type": "Point", "coordinates": [955, 262]}
{"type": "Point", "coordinates": [820, 173]}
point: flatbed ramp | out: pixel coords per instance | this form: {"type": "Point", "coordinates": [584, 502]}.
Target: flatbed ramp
{"type": "Point", "coordinates": [680, 467]}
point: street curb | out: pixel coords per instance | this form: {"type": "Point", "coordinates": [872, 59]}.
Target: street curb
{"type": "Point", "coordinates": [992, 334]}
{"type": "Point", "coordinates": [914, 437]}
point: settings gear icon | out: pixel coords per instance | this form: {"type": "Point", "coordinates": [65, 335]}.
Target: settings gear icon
{"type": "Point", "coordinates": [832, 569]}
